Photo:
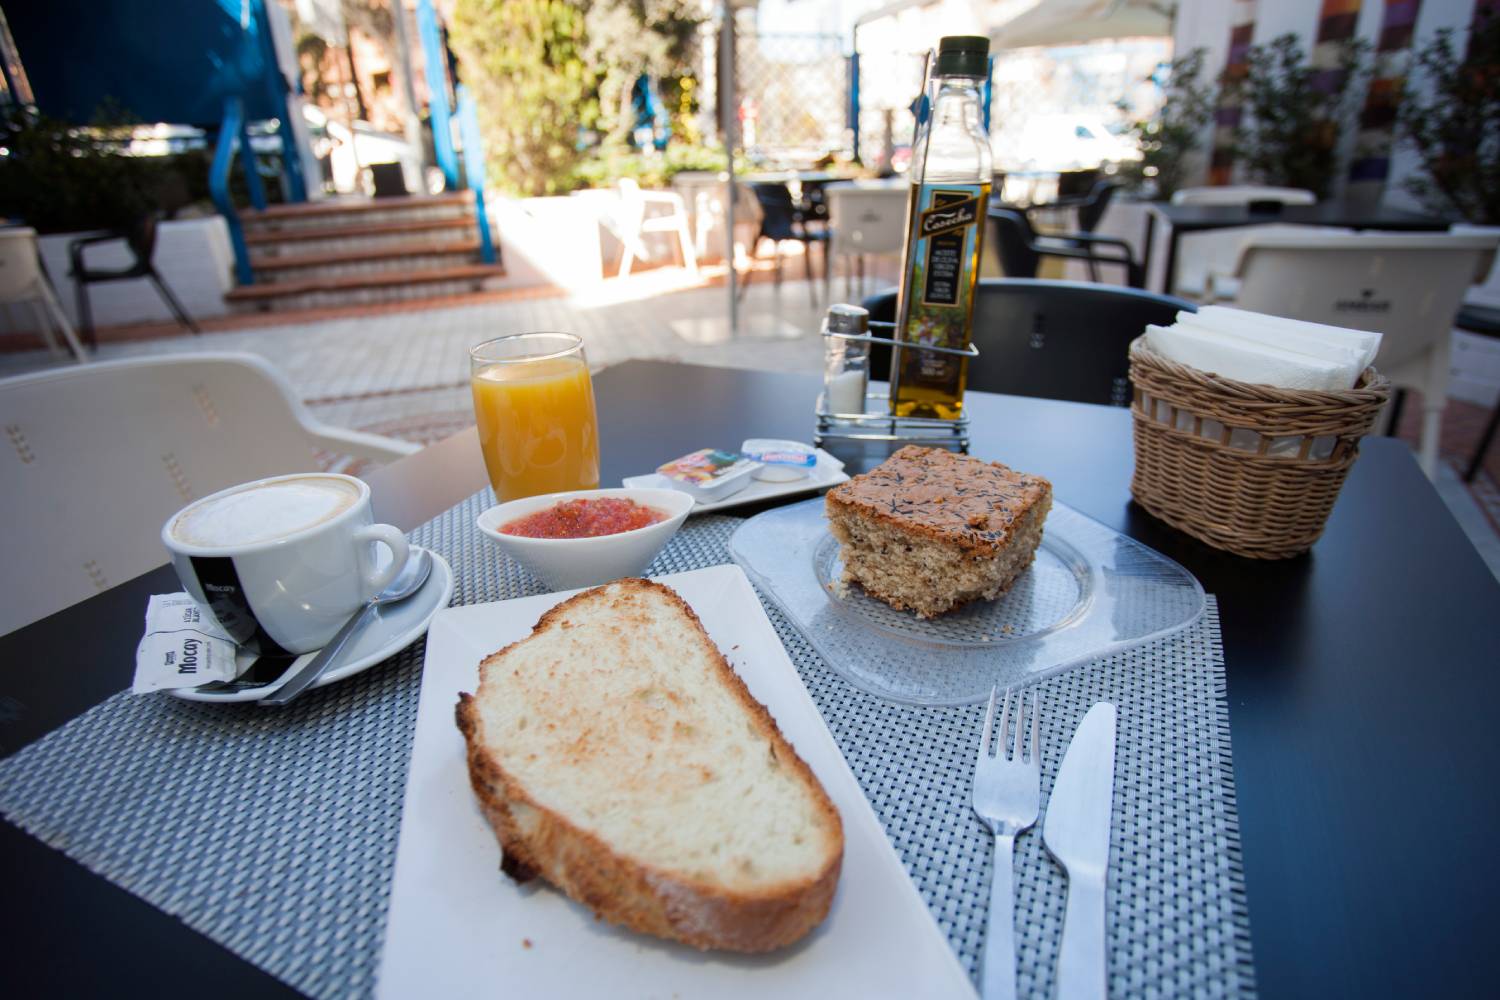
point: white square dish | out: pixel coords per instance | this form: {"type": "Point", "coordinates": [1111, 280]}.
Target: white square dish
{"type": "Point", "coordinates": [827, 473]}
{"type": "Point", "coordinates": [457, 927]}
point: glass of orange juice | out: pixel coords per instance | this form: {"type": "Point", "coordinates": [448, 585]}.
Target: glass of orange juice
{"type": "Point", "coordinates": [534, 404]}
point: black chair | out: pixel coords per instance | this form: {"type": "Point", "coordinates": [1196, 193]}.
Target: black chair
{"type": "Point", "coordinates": [780, 220]}
{"type": "Point", "coordinates": [1064, 340]}
{"type": "Point", "coordinates": [1088, 209]}
{"type": "Point", "coordinates": [1076, 183]}
{"type": "Point", "coordinates": [1021, 249]}
{"type": "Point", "coordinates": [140, 237]}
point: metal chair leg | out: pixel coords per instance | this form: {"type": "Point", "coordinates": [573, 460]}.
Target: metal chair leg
{"type": "Point", "coordinates": [807, 268]}
{"type": "Point", "coordinates": [749, 271]}
{"type": "Point", "coordinates": [1485, 440]}
{"type": "Point", "coordinates": [85, 313]}
{"type": "Point", "coordinates": [166, 293]}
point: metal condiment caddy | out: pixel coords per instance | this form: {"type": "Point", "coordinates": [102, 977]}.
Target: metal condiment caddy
{"type": "Point", "coordinates": [849, 326]}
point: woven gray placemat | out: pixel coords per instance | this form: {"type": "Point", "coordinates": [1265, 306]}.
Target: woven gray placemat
{"type": "Point", "coordinates": [274, 832]}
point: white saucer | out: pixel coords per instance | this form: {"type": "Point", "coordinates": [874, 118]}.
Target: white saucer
{"type": "Point", "coordinates": [828, 472]}
{"type": "Point", "coordinates": [395, 627]}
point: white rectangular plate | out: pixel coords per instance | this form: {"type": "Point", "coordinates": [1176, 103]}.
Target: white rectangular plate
{"type": "Point", "coordinates": [827, 473]}
{"type": "Point", "coordinates": [457, 927]}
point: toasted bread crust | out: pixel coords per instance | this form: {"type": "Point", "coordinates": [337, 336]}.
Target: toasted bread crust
{"type": "Point", "coordinates": [625, 890]}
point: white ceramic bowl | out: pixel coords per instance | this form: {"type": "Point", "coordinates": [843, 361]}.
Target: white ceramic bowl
{"type": "Point", "coordinates": [569, 563]}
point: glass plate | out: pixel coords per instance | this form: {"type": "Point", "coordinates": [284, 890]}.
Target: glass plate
{"type": "Point", "coordinates": [1090, 592]}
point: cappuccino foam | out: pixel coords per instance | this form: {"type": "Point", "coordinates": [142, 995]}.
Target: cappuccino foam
{"type": "Point", "coordinates": [264, 513]}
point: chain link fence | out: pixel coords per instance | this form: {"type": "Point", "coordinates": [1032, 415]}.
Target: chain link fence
{"type": "Point", "coordinates": [793, 96]}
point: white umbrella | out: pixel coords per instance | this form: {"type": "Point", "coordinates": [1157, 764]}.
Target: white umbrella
{"type": "Point", "coordinates": [1067, 22]}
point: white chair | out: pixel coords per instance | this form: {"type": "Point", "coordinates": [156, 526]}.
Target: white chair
{"type": "Point", "coordinates": [634, 218]}
{"type": "Point", "coordinates": [1242, 194]}
{"type": "Point", "coordinates": [864, 220]}
{"type": "Point", "coordinates": [1487, 292]}
{"type": "Point", "coordinates": [1207, 259]}
{"type": "Point", "coordinates": [22, 280]}
{"type": "Point", "coordinates": [1406, 287]}
{"type": "Point", "coordinates": [100, 455]}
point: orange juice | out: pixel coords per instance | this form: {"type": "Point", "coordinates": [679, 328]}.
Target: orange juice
{"type": "Point", "coordinates": [537, 426]}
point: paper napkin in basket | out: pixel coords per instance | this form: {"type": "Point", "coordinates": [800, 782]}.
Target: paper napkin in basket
{"type": "Point", "coordinates": [1265, 350]}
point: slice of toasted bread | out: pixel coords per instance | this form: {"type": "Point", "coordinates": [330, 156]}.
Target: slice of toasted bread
{"type": "Point", "coordinates": [618, 756]}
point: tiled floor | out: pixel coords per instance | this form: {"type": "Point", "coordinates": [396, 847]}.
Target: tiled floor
{"type": "Point", "coordinates": [405, 373]}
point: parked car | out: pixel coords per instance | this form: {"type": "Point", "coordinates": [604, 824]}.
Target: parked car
{"type": "Point", "coordinates": [1059, 142]}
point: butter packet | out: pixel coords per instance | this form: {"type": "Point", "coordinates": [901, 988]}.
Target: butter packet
{"type": "Point", "coordinates": [781, 461]}
{"type": "Point", "coordinates": [183, 647]}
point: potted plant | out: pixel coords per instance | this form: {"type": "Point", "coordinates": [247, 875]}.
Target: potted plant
{"type": "Point", "coordinates": [1452, 120]}
{"type": "Point", "coordinates": [1168, 139]}
{"type": "Point", "coordinates": [1295, 113]}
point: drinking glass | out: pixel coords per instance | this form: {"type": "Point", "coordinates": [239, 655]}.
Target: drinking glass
{"type": "Point", "coordinates": [534, 403]}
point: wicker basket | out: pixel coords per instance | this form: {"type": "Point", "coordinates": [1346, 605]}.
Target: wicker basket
{"type": "Point", "coordinates": [1247, 468]}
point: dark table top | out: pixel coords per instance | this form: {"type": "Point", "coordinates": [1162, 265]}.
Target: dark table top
{"type": "Point", "coordinates": [1362, 686]}
{"type": "Point", "coordinates": [1187, 218]}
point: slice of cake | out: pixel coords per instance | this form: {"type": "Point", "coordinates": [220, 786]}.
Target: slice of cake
{"type": "Point", "coordinates": [928, 530]}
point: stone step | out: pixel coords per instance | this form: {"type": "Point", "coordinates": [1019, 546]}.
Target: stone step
{"type": "Point", "coordinates": [362, 236]}
{"type": "Point", "coordinates": [337, 213]}
{"type": "Point", "coordinates": [404, 256]}
{"type": "Point", "coordinates": [363, 289]}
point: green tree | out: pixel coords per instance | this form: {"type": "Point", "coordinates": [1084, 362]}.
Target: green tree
{"type": "Point", "coordinates": [525, 62]}
{"type": "Point", "coordinates": [1454, 125]}
{"type": "Point", "coordinates": [1295, 113]}
{"type": "Point", "coordinates": [628, 38]}
{"type": "Point", "coordinates": [1168, 138]}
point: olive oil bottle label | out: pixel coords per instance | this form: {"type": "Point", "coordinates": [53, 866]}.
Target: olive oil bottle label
{"type": "Point", "coordinates": [942, 267]}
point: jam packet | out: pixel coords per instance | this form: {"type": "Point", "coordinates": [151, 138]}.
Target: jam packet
{"type": "Point", "coordinates": [709, 474]}
{"type": "Point", "coordinates": [183, 647]}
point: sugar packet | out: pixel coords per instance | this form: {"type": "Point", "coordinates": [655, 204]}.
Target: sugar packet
{"type": "Point", "coordinates": [183, 647]}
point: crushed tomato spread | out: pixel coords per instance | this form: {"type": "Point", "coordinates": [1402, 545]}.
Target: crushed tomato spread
{"type": "Point", "coordinates": [584, 519]}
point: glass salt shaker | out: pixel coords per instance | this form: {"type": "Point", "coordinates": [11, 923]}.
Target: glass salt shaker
{"type": "Point", "coordinates": [846, 367]}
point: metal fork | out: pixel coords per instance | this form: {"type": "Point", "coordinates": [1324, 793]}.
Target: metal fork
{"type": "Point", "coordinates": [1006, 789]}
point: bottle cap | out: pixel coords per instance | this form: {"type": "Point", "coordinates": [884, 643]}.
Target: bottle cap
{"type": "Point", "coordinates": [964, 55]}
{"type": "Point", "coordinates": [843, 318]}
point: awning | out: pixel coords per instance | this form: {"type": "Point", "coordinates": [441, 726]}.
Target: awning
{"type": "Point", "coordinates": [1068, 22]}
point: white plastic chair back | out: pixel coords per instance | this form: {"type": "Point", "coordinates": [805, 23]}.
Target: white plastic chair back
{"type": "Point", "coordinates": [99, 456]}
{"type": "Point", "coordinates": [632, 208]}
{"type": "Point", "coordinates": [1214, 253]}
{"type": "Point", "coordinates": [19, 271]}
{"type": "Point", "coordinates": [1405, 287]}
{"type": "Point", "coordinates": [1242, 194]}
{"type": "Point", "coordinates": [866, 220]}
{"type": "Point", "coordinates": [1488, 291]}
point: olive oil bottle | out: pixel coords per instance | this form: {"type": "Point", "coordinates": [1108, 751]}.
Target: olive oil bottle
{"type": "Point", "coordinates": [951, 176]}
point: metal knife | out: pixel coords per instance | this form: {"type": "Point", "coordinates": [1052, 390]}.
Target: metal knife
{"type": "Point", "coordinates": [1076, 832]}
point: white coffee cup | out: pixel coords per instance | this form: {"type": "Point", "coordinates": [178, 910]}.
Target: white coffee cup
{"type": "Point", "coordinates": [282, 563]}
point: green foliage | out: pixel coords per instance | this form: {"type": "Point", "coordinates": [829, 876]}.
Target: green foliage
{"type": "Point", "coordinates": [60, 178]}
{"type": "Point", "coordinates": [607, 164]}
{"type": "Point", "coordinates": [524, 60]}
{"type": "Point", "coordinates": [1295, 114]}
{"type": "Point", "coordinates": [1454, 125]}
{"type": "Point", "coordinates": [63, 178]}
{"type": "Point", "coordinates": [631, 37]}
{"type": "Point", "coordinates": [1167, 139]}
{"type": "Point", "coordinates": [546, 72]}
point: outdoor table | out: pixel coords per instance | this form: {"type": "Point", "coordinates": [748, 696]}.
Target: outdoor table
{"type": "Point", "coordinates": [1183, 219]}
{"type": "Point", "coordinates": [1360, 677]}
